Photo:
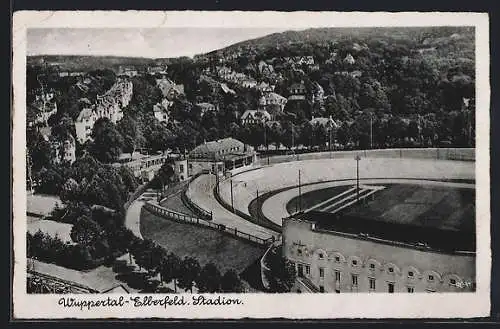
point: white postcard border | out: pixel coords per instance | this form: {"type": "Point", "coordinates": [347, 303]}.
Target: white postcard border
{"type": "Point", "coordinates": [442, 305]}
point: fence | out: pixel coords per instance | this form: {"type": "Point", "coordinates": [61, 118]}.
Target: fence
{"type": "Point", "coordinates": [138, 192]}
{"type": "Point", "coordinates": [183, 218]}
{"type": "Point", "coordinates": [262, 221]}
{"type": "Point", "coordinates": [195, 208]}
{"type": "Point", "coordinates": [460, 154]}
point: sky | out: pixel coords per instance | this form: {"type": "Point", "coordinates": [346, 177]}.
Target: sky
{"type": "Point", "coordinates": [137, 42]}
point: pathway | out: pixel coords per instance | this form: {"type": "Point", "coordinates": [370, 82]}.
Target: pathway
{"type": "Point", "coordinates": [200, 191]}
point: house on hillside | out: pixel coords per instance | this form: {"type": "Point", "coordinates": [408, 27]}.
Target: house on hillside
{"type": "Point", "coordinates": [206, 107]}
{"type": "Point", "coordinates": [297, 91]}
{"type": "Point", "coordinates": [251, 117]}
{"type": "Point", "coordinates": [273, 99]}
{"type": "Point", "coordinates": [44, 107]}
{"type": "Point", "coordinates": [219, 156]}
{"type": "Point", "coordinates": [332, 58]}
{"type": "Point", "coordinates": [318, 94]}
{"type": "Point", "coordinates": [264, 87]}
{"type": "Point", "coordinates": [157, 69]}
{"type": "Point", "coordinates": [109, 106]}
{"type": "Point", "coordinates": [160, 112]}
{"type": "Point", "coordinates": [305, 60]}
{"type": "Point", "coordinates": [349, 59]}
{"type": "Point", "coordinates": [84, 124]}
{"type": "Point", "coordinates": [326, 123]}
{"type": "Point", "coordinates": [265, 68]}
{"type": "Point", "coordinates": [127, 71]}
{"type": "Point", "coordinates": [169, 89]}
{"type": "Point", "coordinates": [249, 83]}
{"type": "Point", "coordinates": [63, 151]}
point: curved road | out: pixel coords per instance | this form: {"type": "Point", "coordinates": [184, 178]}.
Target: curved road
{"type": "Point", "coordinates": [270, 178]}
{"type": "Point", "coordinates": [274, 207]}
{"type": "Point", "coordinates": [200, 192]}
{"type": "Point", "coordinates": [133, 217]}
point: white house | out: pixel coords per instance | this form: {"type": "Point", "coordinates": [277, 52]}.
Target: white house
{"type": "Point", "coordinates": [255, 117]}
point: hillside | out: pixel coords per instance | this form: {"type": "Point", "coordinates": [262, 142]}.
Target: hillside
{"type": "Point", "coordinates": [86, 63]}
{"type": "Point", "coordinates": [322, 35]}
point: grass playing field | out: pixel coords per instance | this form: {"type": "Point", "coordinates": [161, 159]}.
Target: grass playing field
{"type": "Point", "coordinates": [439, 207]}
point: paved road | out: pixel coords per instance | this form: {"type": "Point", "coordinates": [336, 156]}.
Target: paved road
{"type": "Point", "coordinates": [133, 218]}
{"type": "Point", "coordinates": [274, 207]}
{"type": "Point", "coordinates": [200, 191]}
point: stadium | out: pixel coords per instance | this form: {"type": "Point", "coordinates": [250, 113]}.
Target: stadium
{"type": "Point", "coordinates": [361, 221]}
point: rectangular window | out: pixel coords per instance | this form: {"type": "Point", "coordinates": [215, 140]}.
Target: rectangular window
{"type": "Point", "coordinates": [337, 259]}
{"type": "Point", "coordinates": [372, 266]}
{"type": "Point", "coordinates": [190, 166]}
{"type": "Point", "coordinates": [372, 284]}
{"type": "Point", "coordinates": [301, 270]}
{"type": "Point", "coordinates": [354, 280]}
{"type": "Point", "coordinates": [321, 272]}
{"type": "Point", "coordinates": [390, 287]}
{"type": "Point", "coordinates": [321, 289]}
{"type": "Point", "coordinates": [308, 269]}
{"type": "Point", "coordinates": [337, 276]}
{"type": "Point", "coordinates": [411, 289]}
{"type": "Point", "coordinates": [181, 167]}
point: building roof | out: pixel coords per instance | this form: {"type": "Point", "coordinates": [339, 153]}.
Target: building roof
{"type": "Point", "coordinates": [276, 97]}
{"type": "Point", "coordinates": [256, 115]}
{"type": "Point", "coordinates": [226, 89]}
{"type": "Point", "coordinates": [324, 122]}
{"type": "Point", "coordinates": [213, 149]}
{"type": "Point", "coordinates": [205, 105]}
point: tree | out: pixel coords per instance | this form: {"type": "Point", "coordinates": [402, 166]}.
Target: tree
{"type": "Point", "coordinates": [131, 133]}
{"type": "Point", "coordinates": [281, 274]}
{"type": "Point", "coordinates": [70, 191]}
{"type": "Point", "coordinates": [170, 269]}
{"type": "Point", "coordinates": [107, 142]}
{"type": "Point", "coordinates": [209, 279]}
{"type": "Point", "coordinates": [86, 232]}
{"type": "Point", "coordinates": [39, 150]}
{"type": "Point", "coordinates": [231, 282]}
{"type": "Point", "coordinates": [164, 176]}
{"type": "Point", "coordinates": [189, 272]}
{"type": "Point", "coordinates": [64, 128]}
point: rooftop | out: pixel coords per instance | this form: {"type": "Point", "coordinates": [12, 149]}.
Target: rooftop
{"type": "Point", "coordinates": [224, 146]}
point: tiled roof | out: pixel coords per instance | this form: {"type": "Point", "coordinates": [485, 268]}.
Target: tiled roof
{"type": "Point", "coordinates": [210, 149]}
{"type": "Point", "coordinates": [255, 115]}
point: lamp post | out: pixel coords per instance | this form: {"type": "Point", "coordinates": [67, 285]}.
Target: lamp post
{"type": "Point", "coordinates": [371, 131]}
{"type": "Point", "coordinates": [300, 194]}
{"type": "Point", "coordinates": [232, 200]}
{"type": "Point", "coordinates": [357, 158]}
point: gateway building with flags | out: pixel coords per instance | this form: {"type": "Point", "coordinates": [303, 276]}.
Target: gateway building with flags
{"type": "Point", "coordinates": [219, 156]}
